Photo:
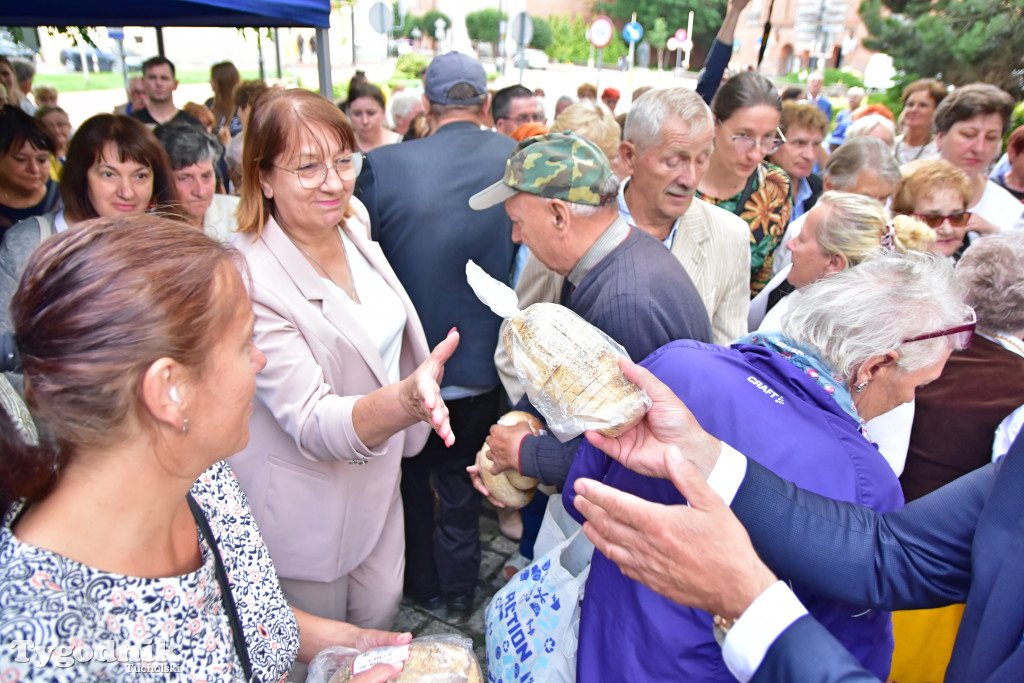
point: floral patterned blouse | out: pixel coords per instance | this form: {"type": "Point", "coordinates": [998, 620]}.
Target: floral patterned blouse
{"type": "Point", "coordinates": [64, 621]}
{"type": "Point", "coordinates": [767, 213]}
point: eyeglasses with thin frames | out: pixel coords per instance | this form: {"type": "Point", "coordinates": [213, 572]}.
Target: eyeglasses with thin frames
{"type": "Point", "coordinates": [312, 176]}
{"type": "Point", "coordinates": [744, 143]}
{"type": "Point", "coordinates": [965, 332]}
{"type": "Point", "coordinates": [933, 221]}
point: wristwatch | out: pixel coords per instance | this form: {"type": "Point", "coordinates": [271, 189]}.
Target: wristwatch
{"type": "Point", "coordinates": [721, 627]}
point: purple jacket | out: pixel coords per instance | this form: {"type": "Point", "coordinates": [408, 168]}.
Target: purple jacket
{"type": "Point", "coordinates": [759, 403]}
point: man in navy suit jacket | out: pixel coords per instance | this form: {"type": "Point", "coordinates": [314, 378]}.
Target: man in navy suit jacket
{"type": "Point", "coordinates": [962, 543]}
{"type": "Point", "coordinates": [417, 194]}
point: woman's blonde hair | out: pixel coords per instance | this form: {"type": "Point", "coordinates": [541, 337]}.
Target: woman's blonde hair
{"type": "Point", "coordinates": [922, 177]}
{"type": "Point", "coordinates": [857, 226]}
{"type": "Point", "coordinates": [593, 121]}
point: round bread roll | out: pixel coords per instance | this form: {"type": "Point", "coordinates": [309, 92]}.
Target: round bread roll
{"type": "Point", "coordinates": [511, 488]}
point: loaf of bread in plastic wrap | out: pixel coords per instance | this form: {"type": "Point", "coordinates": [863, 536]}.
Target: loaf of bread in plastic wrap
{"type": "Point", "coordinates": [443, 658]}
{"type": "Point", "coordinates": [570, 370]}
{"type": "Point", "coordinates": [511, 488]}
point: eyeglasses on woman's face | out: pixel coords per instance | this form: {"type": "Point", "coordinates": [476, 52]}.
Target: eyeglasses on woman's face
{"type": "Point", "coordinates": [934, 221]}
{"type": "Point", "coordinates": [744, 143]}
{"type": "Point", "coordinates": [312, 176]}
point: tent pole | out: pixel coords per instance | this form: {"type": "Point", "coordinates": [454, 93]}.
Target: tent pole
{"type": "Point", "coordinates": [159, 41]}
{"type": "Point", "coordinates": [323, 63]}
{"type": "Point", "coordinates": [277, 51]}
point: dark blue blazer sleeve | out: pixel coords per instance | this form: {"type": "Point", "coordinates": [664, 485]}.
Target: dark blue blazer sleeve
{"type": "Point", "coordinates": [714, 67]}
{"type": "Point", "coordinates": [914, 558]}
{"type": "Point", "coordinates": [808, 653]}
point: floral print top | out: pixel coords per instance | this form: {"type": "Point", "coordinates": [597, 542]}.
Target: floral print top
{"type": "Point", "coordinates": [64, 621]}
{"type": "Point", "coordinates": [767, 213]}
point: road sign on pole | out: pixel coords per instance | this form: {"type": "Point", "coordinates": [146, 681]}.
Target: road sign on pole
{"type": "Point", "coordinates": [632, 32]}
{"type": "Point", "coordinates": [601, 31]}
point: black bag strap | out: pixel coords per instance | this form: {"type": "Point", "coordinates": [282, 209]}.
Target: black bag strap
{"type": "Point", "coordinates": [225, 590]}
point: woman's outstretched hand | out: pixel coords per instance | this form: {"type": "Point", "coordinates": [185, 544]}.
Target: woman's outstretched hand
{"type": "Point", "coordinates": [421, 391]}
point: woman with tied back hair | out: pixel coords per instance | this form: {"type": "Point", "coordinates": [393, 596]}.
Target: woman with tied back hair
{"type": "Point", "coordinates": [937, 193]}
{"type": "Point", "coordinates": [114, 166]}
{"type": "Point", "coordinates": [955, 422]}
{"type": "Point", "coordinates": [841, 231]}
{"type": "Point", "coordinates": [349, 387]}
{"type": "Point", "coordinates": [224, 78]}
{"type": "Point", "coordinates": [367, 112]}
{"type": "Point", "coordinates": [747, 113]}
{"type": "Point", "coordinates": [135, 334]}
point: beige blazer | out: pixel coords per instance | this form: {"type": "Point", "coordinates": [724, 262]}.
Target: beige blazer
{"type": "Point", "coordinates": [713, 245]}
{"type": "Point", "coordinates": [319, 495]}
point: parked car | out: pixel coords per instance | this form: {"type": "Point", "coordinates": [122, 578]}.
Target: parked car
{"type": "Point", "coordinates": [535, 59]}
{"type": "Point", "coordinates": [12, 49]}
{"type": "Point", "coordinates": [105, 60]}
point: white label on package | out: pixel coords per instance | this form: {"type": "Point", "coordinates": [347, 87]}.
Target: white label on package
{"type": "Point", "coordinates": [395, 654]}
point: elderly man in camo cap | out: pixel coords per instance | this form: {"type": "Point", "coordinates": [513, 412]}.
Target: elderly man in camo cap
{"type": "Point", "coordinates": [562, 197]}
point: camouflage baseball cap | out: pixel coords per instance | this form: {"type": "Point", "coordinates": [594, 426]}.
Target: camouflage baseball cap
{"type": "Point", "coordinates": [558, 166]}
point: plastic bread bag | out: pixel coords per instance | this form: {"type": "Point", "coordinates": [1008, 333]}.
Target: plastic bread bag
{"type": "Point", "coordinates": [568, 368]}
{"type": "Point", "coordinates": [441, 658]}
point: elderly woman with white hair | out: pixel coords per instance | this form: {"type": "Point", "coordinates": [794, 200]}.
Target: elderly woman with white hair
{"type": "Point", "coordinates": [873, 125]}
{"type": "Point", "coordinates": [855, 346]}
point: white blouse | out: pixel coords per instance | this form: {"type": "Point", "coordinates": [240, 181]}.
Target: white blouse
{"type": "Point", "coordinates": [379, 312]}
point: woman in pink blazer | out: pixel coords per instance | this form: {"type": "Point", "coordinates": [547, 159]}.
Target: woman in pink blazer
{"type": "Point", "coordinates": [349, 387]}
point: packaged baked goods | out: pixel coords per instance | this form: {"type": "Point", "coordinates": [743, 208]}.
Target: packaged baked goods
{"type": "Point", "coordinates": [568, 368]}
{"type": "Point", "coordinates": [511, 488]}
{"type": "Point", "coordinates": [441, 658]}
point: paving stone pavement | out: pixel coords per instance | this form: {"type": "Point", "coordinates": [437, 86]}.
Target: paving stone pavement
{"type": "Point", "coordinates": [495, 551]}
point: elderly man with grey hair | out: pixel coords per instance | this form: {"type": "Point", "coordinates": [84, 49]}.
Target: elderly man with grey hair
{"type": "Point", "coordinates": [194, 155]}
{"type": "Point", "coordinates": [560, 192]}
{"type": "Point", "coordinates": [864, 166]}
{"type": "Point", "coordinates": [666, 145]}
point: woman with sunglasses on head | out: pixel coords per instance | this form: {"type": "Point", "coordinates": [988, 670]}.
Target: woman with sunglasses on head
{"type": "Point", "coordinates": [350, 386]}
{"type": "Point", "coordinates": [936, 193]}
{"type": "Point", "coordinates": [747, 111]}
{"type": "Point", "coordinates": [955, 422]}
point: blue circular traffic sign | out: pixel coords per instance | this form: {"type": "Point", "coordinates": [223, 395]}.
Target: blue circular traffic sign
{"type": "Point", "coordinates": [632, 32]}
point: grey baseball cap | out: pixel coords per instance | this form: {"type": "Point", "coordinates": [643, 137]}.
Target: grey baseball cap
{"type": "Point", "coordinates": [450, 69]}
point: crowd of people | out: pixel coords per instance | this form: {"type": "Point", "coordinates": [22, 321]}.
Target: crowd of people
{"type": "Point", "coordinates": [246, 381]}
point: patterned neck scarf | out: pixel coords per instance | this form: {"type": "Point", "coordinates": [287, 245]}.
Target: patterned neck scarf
{"type": "Point", "coordinates": [810, 363]}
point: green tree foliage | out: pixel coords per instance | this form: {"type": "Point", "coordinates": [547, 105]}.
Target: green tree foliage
{"type": "Point", "coordinates": [571, 44]}
{"type": "Point", "coordinates": [657, 35]}
{"type": "Point", "coordinates": [483, 25]}
{"type": "Point", "coordinates": [428, 23]}
{"type": "Point", "coordinates": [543, 34]}
{"type": "Point", "coordinates": [958, 41]}
{"type": "Point", "coordinates": [707, 19]}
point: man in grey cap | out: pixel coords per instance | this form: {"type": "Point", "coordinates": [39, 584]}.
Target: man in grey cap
{"type": "Point", "coordinates": [417, 196]}
{"type": "Point", "coordinates": [561, 194]}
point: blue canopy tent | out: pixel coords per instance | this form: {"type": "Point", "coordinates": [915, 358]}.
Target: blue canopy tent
{"type": "Point", "coordinates": [160, 13]}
